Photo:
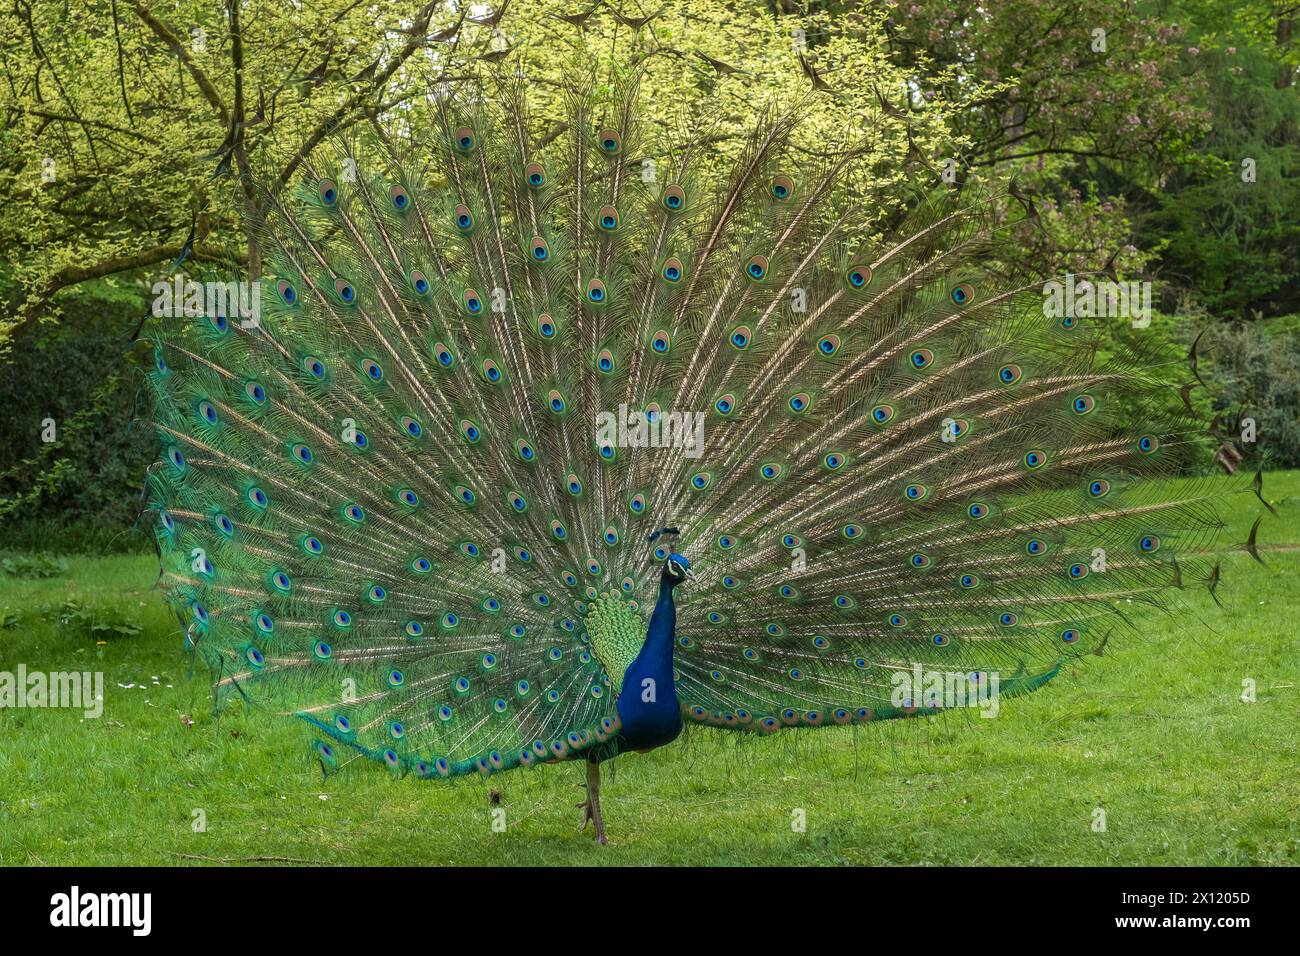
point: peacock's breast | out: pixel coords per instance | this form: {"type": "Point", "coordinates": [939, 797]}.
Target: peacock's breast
{"type": "Point", "coordinates": [647, 709]}
{"type": "Point", "coordinates": [647, 704]}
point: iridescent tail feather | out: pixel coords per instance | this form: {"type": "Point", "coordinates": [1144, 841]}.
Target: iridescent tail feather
{"type": "Point", "coordinates": [384, 504]}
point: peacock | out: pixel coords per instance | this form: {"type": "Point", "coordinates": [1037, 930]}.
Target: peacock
{"type": "Point", "coordinates": [531, 456]}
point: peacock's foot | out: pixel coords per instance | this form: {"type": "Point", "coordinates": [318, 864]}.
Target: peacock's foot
{"type": "Point", "coordinates": [591, 806]}
{"type": "Point", "coordinates": [592, 815]}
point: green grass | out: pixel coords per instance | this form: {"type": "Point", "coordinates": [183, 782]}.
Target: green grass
{"type": "Point", "coordinates": [1155, 733]}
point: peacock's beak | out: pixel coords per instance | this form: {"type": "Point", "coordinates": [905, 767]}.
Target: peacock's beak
{"type": "Point", "coordinates": [690, 575]}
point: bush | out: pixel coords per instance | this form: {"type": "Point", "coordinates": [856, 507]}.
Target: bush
{"type": "Point", "coordinates": [1255, 368]}
{"type": "Point", "coordinates": [33, 566]}
{"type": "Point", "coordinates": [77, 375]}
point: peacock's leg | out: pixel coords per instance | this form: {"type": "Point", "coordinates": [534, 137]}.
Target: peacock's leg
{"type": "Point", "coordinates": [592, 803]}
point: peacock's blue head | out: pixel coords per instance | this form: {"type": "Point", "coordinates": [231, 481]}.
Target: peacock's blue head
{"type": "Point", "coordinates": [677, 569]}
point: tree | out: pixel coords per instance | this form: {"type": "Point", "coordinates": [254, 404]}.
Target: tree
{"type": "Point", "coordinates": [139, 138]}
{"type": "Point", "coordinates": [136, 138]}
{"type": "Point", "coordinates": [138, 142]}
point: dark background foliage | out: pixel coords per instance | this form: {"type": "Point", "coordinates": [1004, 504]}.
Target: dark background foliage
{"type": "Point", "coordinates": [83, 488]}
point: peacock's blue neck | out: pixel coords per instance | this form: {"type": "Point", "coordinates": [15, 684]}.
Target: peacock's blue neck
{"type": "Point", "coordinates": [663, 628]}
{"type": "Point", "coordinates": [647, 706]}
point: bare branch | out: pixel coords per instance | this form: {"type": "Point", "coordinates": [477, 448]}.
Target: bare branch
{"type": "Point", "coordinates": [323, 129]}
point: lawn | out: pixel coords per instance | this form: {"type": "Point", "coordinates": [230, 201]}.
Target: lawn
{"type": "Point", "coordinates": [1155, 735]}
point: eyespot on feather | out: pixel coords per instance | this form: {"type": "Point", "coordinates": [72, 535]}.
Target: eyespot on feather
{"type": "Point", "coordinates": [609, 141]}
{"type": "Point", "coordinates": [314, 367]}
{"type": "Point", "coordinates": [443, 355]}
{"type": "Point", "coordinates": [463, 218]}
{"type": "Point", "coordinates": [858, 276]}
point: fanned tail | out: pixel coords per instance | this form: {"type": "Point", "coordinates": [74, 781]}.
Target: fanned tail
{"type": "Point", "coordinates": [488, 365]}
